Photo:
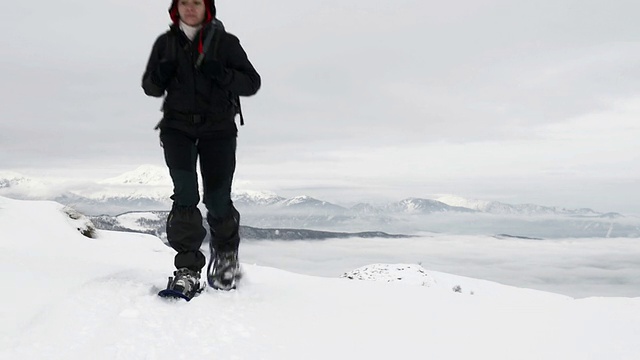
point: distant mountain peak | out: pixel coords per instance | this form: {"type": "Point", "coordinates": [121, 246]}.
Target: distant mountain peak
{"type": "Point", "coordinates": [301, 199]}
{"type": "Point", "coordinates": [419, 205]}
{"type": "Point", "coordinates": [21, 186]}
{"type": "Point", "coordinates": [10, 178]}
{"type": "Point", "coordinates": [305, 200]}
{"type": "Point", "coordinates": [254, 197]}
{"type": "Point", "coordinates": [473, 204]}
{"type": "Point", "coordinates": [143, 175]}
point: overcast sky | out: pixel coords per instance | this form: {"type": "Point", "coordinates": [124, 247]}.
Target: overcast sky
{"type": "Point", "coordinates": [516, 101]}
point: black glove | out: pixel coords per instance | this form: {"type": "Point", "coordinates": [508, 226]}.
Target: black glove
{"type": "Point", "coordinates": [213, 69]}
{"type": "Point", "coordinates": [165, 71]}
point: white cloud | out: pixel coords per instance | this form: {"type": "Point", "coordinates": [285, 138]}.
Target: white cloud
{"type": "Point", "coordinates": [576, 267]}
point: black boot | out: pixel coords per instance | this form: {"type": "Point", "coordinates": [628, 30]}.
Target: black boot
{"type": "Point", "coordinates": [184, 284]}
{"type": "Point", "coordinates": [223, 271]}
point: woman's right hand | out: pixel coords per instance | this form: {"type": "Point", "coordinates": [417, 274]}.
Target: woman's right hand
{"type": "Point", "coordinates": [165, 71]}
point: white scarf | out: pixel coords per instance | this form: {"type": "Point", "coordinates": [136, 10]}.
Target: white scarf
{"type": "Point", "coordinates": [190, 31]}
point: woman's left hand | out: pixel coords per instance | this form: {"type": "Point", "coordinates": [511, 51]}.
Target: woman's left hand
{"type": "Point", "coordinates": [212, 68]}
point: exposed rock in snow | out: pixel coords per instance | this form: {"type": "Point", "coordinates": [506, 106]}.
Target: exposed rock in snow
{"type": "Point", "coordinates": [410, 274]}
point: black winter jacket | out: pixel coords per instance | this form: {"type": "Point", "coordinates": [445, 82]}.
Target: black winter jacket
{"type": "Point", "coordinates": [191, 92]}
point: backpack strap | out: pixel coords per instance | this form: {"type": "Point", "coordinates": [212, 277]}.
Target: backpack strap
{"type": "Point", "coordinates": [217, 28]}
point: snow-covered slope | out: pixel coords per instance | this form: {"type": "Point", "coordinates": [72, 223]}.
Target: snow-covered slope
{"type": "Point", "coordinates": [71, 297]}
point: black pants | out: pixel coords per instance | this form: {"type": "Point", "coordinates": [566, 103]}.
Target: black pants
{"type": "Point", "coordinates": [185, 230]}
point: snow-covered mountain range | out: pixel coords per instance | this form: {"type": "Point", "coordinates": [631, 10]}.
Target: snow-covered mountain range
{"type": "Point", "coordinates": [148, 188]}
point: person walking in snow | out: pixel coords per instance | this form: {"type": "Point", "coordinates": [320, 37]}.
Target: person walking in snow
{"type": "Point", "coordinates": [201, 70]}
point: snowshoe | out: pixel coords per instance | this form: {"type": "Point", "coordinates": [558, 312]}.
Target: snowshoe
{"type": "Point", "coordinates": [184, 284]}
{"type": "Point", "coordinates": [223, 271]}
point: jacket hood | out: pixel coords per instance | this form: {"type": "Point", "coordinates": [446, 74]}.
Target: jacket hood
{"type": "Point", "coordinates": [209, 5]}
